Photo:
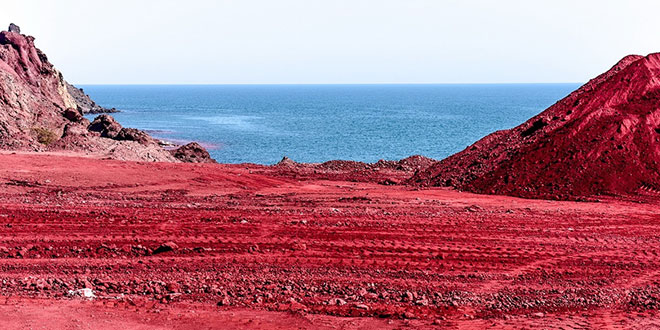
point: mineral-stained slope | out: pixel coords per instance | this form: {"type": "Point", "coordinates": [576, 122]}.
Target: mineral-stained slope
{"type": "Point", "coordinates": [38, 113]}
{"type": "Point", "coordinates": [32, 93]}
{"type": "Point", "coordinates": [601, 139]}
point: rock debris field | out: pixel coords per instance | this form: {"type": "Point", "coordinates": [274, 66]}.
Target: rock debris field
{"type": "Point", "coordinates": [251, 246]}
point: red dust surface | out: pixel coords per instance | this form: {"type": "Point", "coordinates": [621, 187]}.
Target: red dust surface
{"type": "Point", "coordinates": [211, 246]}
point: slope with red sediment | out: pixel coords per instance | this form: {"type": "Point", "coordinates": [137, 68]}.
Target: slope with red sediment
{"type": "Point", "coordinates": [154, 241]}
{"type": "Point", "coordinates": [604, 138]}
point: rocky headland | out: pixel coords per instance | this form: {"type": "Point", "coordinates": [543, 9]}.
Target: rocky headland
{"type": "Point", "coordinates": [40, 111]}
{"type": "Point", "coordinates": [85, 102]}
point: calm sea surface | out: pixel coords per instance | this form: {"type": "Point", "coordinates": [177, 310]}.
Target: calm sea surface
{"type": "Point", "coordinates": [316, 123]}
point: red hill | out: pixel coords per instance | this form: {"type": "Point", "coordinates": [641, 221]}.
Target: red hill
{"type": "Point", "coordinates": [601, 139]}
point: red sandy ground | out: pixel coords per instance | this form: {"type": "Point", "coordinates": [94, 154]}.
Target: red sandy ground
{"type": "Point", "coordinates": [255, 248]}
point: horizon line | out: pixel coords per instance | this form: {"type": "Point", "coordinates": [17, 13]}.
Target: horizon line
{"type": "Point", "coordinates": [318, 84]}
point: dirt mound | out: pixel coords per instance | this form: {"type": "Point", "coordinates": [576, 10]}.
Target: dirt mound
{"type": "Point", "coordinates": [38, 112]}
{"type": "Point", "coordinates": [601, 139]}
{"type": "Point", "coordinates": [383, 171]}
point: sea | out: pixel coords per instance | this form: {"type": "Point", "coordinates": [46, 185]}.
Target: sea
{"type": "Point", "coordinates": [316, 123]}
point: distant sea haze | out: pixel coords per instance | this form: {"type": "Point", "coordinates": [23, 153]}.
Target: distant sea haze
{"type": "Point", "coordinates": [316, 123]}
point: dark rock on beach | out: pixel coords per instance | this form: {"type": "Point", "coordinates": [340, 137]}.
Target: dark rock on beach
{"type": "Point", "coordinates": [133, 134]}
{"type": "Point", "coordinates": [192, 153]}
{"type": "Point", "coordinates": [108, 127]}
{"type": "Point", "coordinates": [105, 125]}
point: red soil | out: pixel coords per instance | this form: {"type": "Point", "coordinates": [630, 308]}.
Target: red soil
{"type": "Point", "coordinates": [167, 245]}
{"type": "Point", "coordinates": [603, 138]}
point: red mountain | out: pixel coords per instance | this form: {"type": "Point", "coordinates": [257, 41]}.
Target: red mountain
{"type": "Point", "coordinates": [601, 139]}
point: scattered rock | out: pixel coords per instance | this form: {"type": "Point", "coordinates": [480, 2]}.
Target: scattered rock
{"type": "Point", "coordinates": [173, 287]}
{"type": "Point", "coordinates": [83, 293]}
{"type": "Point", "coordinates": [409, 315]}
{"type": "Point", "coordinates": [286, 161]}
{"type": "Point", "coordinates": [390, 182]}
{"type": "Point", "coordinates": [105, 125]}
{"type": "Point", "coordinates": [422, 302]}
{"type": "Point", "coordinates": [167, 247]}
{"type": "Point", "coordinates": [192, 152]}
{"type": "Point", "coordinates": [132, 134]}
{"type": "Point", "coordinates": [362, 307]}
{"type": "Point", "coordinates": [73, 115]}
{"type": "Point", "coordinates": [473, 208]}
{"type": "Point", "coordinates": [295, 306]}
{"type": "Point", "coordinates": [337, 302]}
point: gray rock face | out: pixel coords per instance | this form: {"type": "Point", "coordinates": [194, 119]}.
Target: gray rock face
{"type": "Point", "coordinates": [84, 102]}
{"type": "Point", "coordinates": [14, 28]}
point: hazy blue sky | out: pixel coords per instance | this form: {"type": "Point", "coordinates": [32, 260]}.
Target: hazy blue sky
{"type": "Point", "coordinates": [336, 41]}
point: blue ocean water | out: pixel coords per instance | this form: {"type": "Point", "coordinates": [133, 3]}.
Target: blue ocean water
{"type": "Point", "coordinates": [316, 123]}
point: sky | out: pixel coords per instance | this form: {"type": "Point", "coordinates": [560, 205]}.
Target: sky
{"type": "Point", "coordinates": [335, 41]}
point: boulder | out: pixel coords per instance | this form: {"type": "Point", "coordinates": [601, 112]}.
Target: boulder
{"type": "Point", "coordinates": [286, 162]}
{"type": "Point", "coordinates": [105, 125]}
{"type": "Point", "coordinates": [132, 134]}
{"type": "Point", "coordinates": [14, 28]}
{"type": "Point", "coordinates": [73, 115]}
{"type": "Point", "coordinates": [166, 247]}
{"type": "Point", "coordinates": [192, 152]}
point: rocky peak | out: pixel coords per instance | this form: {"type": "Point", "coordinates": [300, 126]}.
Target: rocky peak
{"type": "Point", "coordinates": [14, 28]}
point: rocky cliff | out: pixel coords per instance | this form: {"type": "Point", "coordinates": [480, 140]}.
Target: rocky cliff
{"type": "Point", "coordinates": [84, 102]}
{"type": "Point", "coordinates": [604, 138]}
{"type": "Point", "coordinates": [38, 112]}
